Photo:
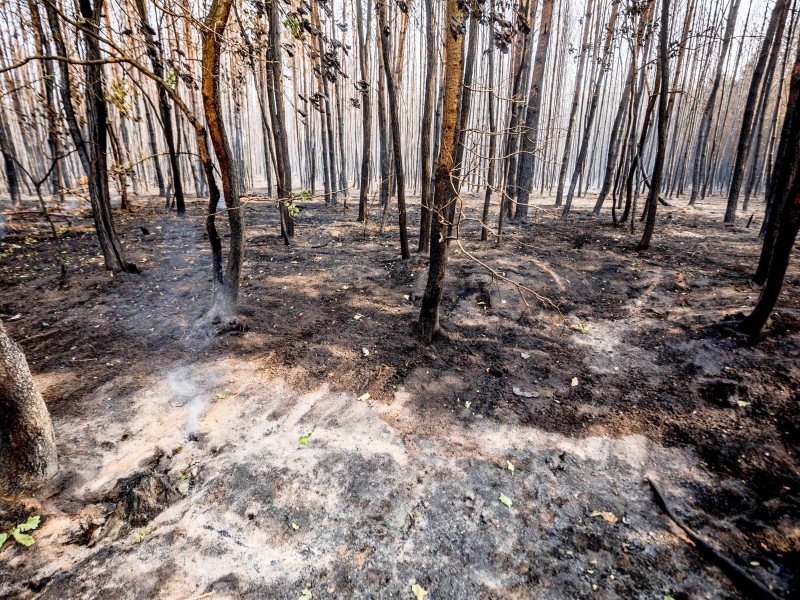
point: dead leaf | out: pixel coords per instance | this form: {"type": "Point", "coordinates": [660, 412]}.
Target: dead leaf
{"type": "Point", "coordinates": [574, 382]}
{"type": "Point", "coordinates": [364, 398]}
{"type": "Point", "coordinates": [606, 516]}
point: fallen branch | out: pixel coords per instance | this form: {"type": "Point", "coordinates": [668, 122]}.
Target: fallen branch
{"type": "Point", "coordinates": [751, 587]}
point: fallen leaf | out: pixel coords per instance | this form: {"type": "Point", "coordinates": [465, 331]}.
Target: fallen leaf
{"type": "Point", "coordinates": [364, 397]}
{"type": "Point", "coordinates": [574, 382]}
{"type": "Point", "coordinates": [304, 439]}
{"type": "Point", "coordinates": [525, 355]}
{"type": "Point", "coordinates": [668, 597]}
{"type": "Point", "coordinates": [755, 563]}
{"type": "Point", "coordinates": [419, 591]}
{"type": "Point", "coordinates": [467, 404]}
{"type": "Point", "coordinates": [357, 317]}
{"type": "Point", "coordinates": [606, 516]}
{"type": "Point", "coordinates": [295, 526]}
{"type": "Point", "coordinates": [365, 352]}
{"type": "Point", "coordinates": [742, 403]}
{"type": "Point", "coordinates": [505, 499]}
{"type": "Point", "coordinates": [510, 466]}
{"type": "Point", "coordinates": [584, 329]}
{"type": "Point", "coordinates": [306, 594]}
{"type": "Point", "coordinates": [520, 392]}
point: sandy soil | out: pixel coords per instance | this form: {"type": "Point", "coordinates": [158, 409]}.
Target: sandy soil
{"type": "Point", "coordinates": [183, 475]}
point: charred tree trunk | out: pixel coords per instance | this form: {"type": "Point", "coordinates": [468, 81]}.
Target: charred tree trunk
{"type": "Point", "coordinates": [427, 113]}
{"type": "Point", "coordinates": [531, 132]}
{"type": "Point", "coordinates": [96, 165]}
{"type": "Point", "coordinates": [391, 94]}
{"type": "Point", "coordinates": [576, 98]}
{"type": "Point", "coordinates": [154, 54]}
{"type": "Point", "coordinates": [661, 136]}
{"type": "Point", "coordinates": [27, 442]}
{"type": "Point", "coordinates": [705, 122]}
{"type": "Point", "coordinates": [587, 131]}
{"type": "Point", "coordinates": [776, 25]}
{"type": "Point", "coordinates": [785, 185]}
{"type": "Point", "coordinates": [9, 160]}
{"type": "Point", "coordinates": [444, 193]}
{"type": "Point", "coordinates": [366, 109]}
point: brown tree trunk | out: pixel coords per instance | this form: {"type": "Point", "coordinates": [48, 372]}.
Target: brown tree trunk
{"type": "Point", "coordinates": [226, 289]}
{"type": "Point", "coordinates": [444, 192]}
{"type": "Point", "coordinates": [27, 442]}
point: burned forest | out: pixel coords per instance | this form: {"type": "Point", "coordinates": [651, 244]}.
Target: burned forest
{"type": "Point", "coordinates": [423, 299]}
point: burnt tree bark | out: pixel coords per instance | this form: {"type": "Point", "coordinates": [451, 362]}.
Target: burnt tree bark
{"type": "Point", "coordinates": [394, 121]}
{"type": "Point", "coordinates": [530, 135]}
{"type": "Point", "coordinates": [444, 192]}
{"type": "Point", "coordinates": [785, 185]}
{"type": "Point", "coordinates": [661, 136]}
{"type": "Point", "coordinates": [777, 21]}
{"type": "Point", "coordinates": [226, 289]}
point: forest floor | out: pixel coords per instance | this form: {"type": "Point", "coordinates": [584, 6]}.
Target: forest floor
{"type": "Point", "coordinates": [183, 474]}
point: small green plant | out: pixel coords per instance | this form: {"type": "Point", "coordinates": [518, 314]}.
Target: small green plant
{"type": "Point", "coordinates": [18, 532]}
{"type": "Point", "coordinates": [139, 536]}
{"type": "Point", "coordinates": [293, 23]}
{"type": "Point", "coordinates": [304, 439]}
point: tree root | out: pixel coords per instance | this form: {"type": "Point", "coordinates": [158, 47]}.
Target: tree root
{"type": "Point", "coordinates": [751, 587]}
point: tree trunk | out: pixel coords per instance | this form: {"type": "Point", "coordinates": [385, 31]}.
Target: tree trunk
{"type": "Point", "coordinates": [9, 158]}
{"type": "Point", "coordinates": [587, 131]}
{"type": "Point", "coordinates": [444, 193]}
{"type": "Point", "coordinates": [783, 172]}
{"type": "Point", "coordinates": [226, 289]}
{"type": "Point", "coordinates": [154, 54]}
{"type": "Point", "coordinates": [576, 97]}
{"type": "Point", "coordinates": [531, 132]}
{"type": "Point", "coordinates": [96, 165]}
{"type": "Point", "coordinates": [366, 109]}
{"type": "Point", "coordinates": [427, 113]}
{"type": "Point", "coordinates": [394, 120]}
{"type": "Point", "coordinates": [280, 137]}
{"type": "Point", "coordinates": [663, 119]}
{"type": "Point", "coordinates": [27, 442]}
{"type": "Point", "coordinates": [785, 186]}
{"type": "Point", "coordinates": [701, 146]}
{"type": "Point", "coordinates": [614, 141]}
{"type": "Point", "coordinates": [776, 25]}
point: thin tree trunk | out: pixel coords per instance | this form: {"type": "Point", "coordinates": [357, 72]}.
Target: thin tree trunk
{"type": "Point", "coordinates": [531, 132]}
{"type": "Point", "coordinates": [587, 131]}
{"type": "Point", "coordinates": [663, 121]}
{"type": "Point", "coordinates": [776, 25]}
{"type": "Point", "coordinates": [444, 193]}
{"type": "Point", "coordinates": [394, 120]}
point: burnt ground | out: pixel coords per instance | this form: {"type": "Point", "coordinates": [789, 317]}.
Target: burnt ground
{"type": "Point", "coordinates": [182, 475]}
